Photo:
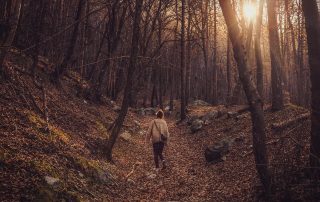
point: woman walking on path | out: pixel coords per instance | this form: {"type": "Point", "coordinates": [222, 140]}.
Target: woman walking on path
{"type": "Point", "coordinates": [158, 134]}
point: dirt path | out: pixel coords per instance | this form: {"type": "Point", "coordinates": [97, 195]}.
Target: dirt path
{"type": "Point", "coordinates": [188, 176]}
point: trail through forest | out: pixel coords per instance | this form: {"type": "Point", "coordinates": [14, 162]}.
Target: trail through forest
{"type": "Point", "coordinates": [188, 177]}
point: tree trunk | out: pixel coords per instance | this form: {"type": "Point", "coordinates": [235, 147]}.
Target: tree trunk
{"type": "Point", "coordinates": [131, 70]}
{"type": "Point", "coordinates": [183, 63]}
{"type": "Point", "coordinates": [275, 54]}
{"type": "Point", "coordinates": [59, 70]}
{"type": "Point", "coordinates": [254, 100]}
{"type": "Point", "coordinates": [13, 28]}
{"type": "Point", "coordinates": [215, 51]}
{"type": "Point", "coordinates": [188, 65]}
{"type": "Point", "coordinates": [311, 14]}
{"type": "Point", "coordinates": [258, 51]}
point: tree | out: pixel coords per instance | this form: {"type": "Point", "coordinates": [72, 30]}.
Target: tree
{"type": "Point", "coordinates": [215, 55]}
{"type": "Point", "coordinates": [258, 50]}
{"type": "Point", "coordinates": [275, 54]}
{"type": "Point", "coordinates": [131, 70]}
{"type": "Point", "coordinates": [254, 100]}
{"type": "Point", "coordinates": [59, 70]}
{"type": "Point", "coordinates": [13, 23]}
{"type": "Point", "coordinates": [183, 63]}
{"type": "Point", "coordinates": [311, 13]}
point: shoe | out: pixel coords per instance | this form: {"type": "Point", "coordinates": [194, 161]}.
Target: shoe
{"type": "Point", "coordinates": [156, 170]}
{"type": "Point", "coordinates": [164, 165]}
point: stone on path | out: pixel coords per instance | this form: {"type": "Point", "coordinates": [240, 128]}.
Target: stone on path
{"type": "Point", "coordinates": [216, 152]}
{"type": "Point", "coordinates": [51, 180]}
{"type": "Point", "coordinates": [196, 125]}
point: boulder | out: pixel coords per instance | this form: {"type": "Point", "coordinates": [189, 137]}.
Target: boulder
{"type": "Point", "coordinates": [232, 114]}
{"type": "Point", "coordinates": [192, 119]}
{"type": "Point", "coordinates": [150, 111]}
{"type": "Point", "coordinates": [200, 103]}
{"type": "Point", "coordinates": [215, 153]}
{"type": "Point", "coordinates": [141, 112]}
{"type": "Point", "coordinates": [116, 108]}
{"type": "Point", "coordinates": [242, 116]}
{"type": "Point", "coordinates": [210, 116]}
{"type": "Point", "coordinates": [196, 125]}
{"type": "Point", "coordinates": [167, 108]}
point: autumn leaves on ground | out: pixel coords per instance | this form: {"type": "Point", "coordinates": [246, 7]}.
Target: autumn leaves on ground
{"type": "Point", "coordinates": [63, 159]}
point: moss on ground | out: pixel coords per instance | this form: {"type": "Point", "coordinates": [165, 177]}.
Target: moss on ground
{"type": "Point", "coordinates": [39, 125]}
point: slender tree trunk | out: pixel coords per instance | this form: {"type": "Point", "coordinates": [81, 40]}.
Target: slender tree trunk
{"type": "Point", "coordinates": [12, 33]}
{"type": "Point", "coordinates": [183, 63]}
{"type": "Point", "coordinates": [275, 54]}
{"type": "Point", "coordinates": [312, 17]}
{"type": "Point", "coordinates": [254, 100]}
{"type": "Point", "coordinates": [188, 72]}
{"type": "Point", "coordinates": [258, 50]}
{"type": "Point", "coordinates": [131, 70]}
{"type": "Point", "coordinates": [229, 71]}
{"type": "Point", "coordinates": [215, 52]}
{"type": "Point", "coordinates": [39, 27]}
{"type": "Point", "coordinates": [70, 51]}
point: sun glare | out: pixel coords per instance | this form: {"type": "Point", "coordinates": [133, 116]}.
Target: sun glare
{"type": "Point", "coordinates": [249, 11]}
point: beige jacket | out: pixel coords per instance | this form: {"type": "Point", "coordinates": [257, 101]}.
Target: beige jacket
{"type": "Point", "coordinates": [153, 133]}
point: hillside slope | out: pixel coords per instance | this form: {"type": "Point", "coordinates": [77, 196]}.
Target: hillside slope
{"type": "Point", "coordinates": [68, 164]}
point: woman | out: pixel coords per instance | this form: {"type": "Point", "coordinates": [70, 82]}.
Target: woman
{"type": "Point", "coordinates": [158, 133]}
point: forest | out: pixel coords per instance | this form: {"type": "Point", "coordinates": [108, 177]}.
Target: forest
{"type": "Point", "coordinates": [225, 93]}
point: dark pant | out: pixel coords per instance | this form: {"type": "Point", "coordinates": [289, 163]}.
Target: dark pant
{"type": "Point", "coordinates": [157, 152]}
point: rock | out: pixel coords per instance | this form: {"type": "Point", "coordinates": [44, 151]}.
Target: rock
{"type": "Point", "coordinates": [80, 174]}
{"type": "Point", "coordinates": [116, 108]}
{"type": "Point", "coordinates": [151, 176]}
{"type": "Point", "coordinates": [150, 111]}
{"type": "Point", "coordinates": [196, 125]}
{"type": "Point", "coordinates": [192, 119]}
{"type": "Point", "coordinates": [200, 103]}
{"type": "Point", "coordinates": [103, 176]}
{"type": "Point", "coordinates": [232, 114]}
{"type": "Point", "coordinates": [167, 108]}
{"type": "Point", "coordinates": [242, 116]}
{"type": "Point", "coordinates": [126, 136]}
{"type": "Point", "coordinates": [141, 112]}
{"type": "Point", "coordinates": [131, 181]}
{"type": "Point", "coordinates": [210, 116]}
{"type": "Point", "coordinates": [215, 153]}
{"type": "Point", "coordinates": [241, 138]}
{"type": "Point", "coordinates": [51, 180]}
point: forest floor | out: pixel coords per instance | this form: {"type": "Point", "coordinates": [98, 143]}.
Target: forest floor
{"type": "Point", "coordinates": [69, 164]}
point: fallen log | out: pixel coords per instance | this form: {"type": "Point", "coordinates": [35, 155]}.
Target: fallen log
{"type": "Point", "coordinates": [285, 124]}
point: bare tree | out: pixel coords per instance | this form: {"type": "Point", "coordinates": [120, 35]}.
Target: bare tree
{"type": "Point", "coordinates": [183, 62]}
{"type": "Point", "coordinates": [13, 23]}
{"type": "Point", "coordinates": [59, 70]}
{"type": "Point", "coordinates": [275, 54]}
{"type": "Point", "coordinates": [311, 13]}
{"type": "Point", "coordinates": [258, 50]}
{"type": "Point", "coordinates": [254, 100]}
{"type": "Point", "coordinates": [131, 70]}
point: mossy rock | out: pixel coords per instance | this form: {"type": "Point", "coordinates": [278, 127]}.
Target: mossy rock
{"type": "Point", "coordinates": [92, 169]}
